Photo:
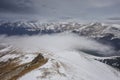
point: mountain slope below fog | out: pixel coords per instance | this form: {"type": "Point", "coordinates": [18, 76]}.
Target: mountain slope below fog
{"type": "Point", "coordinates": [64, 65]}
{"type": "Point", "coordinates": [69, 67]}
{"type": "Point", "coordinates": [113, 61]}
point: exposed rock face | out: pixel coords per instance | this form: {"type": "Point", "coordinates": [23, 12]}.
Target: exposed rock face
{"type": "Point", "coordinates": [37, 59]}
{"type": "Point", "coordinates": [12, 70]}
{"type": "Point", "coordinates": [112, 61]}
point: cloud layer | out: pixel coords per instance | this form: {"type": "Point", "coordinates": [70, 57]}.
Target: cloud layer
{"type": "Point", "coordinates": [81, 9]}
{"type": "Point", "coordinates": [55, 43]}
{"type": "Point", "coordinates": [114, 18]}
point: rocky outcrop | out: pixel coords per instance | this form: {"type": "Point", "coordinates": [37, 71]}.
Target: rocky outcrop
{"type": "Point", "coordinates": [12, 70]}
{"type": "Point", "coordinates": [114, 62]}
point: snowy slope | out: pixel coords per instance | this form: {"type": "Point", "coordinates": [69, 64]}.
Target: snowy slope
{"type": "Point", "coordinates": [10, 53]}
{"type": "Point", "coordinates": [63, 65]}
{"type": "Point", "coordinates": [70, 65]}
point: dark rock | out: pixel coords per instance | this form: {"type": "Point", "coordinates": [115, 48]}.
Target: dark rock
{"type": "Point", "coordinates": [114, 62]}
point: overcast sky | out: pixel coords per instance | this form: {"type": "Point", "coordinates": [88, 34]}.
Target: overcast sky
{"type": "Point", "coordinates": [62, 9]}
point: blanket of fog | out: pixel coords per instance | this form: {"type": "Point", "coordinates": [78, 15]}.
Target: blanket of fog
{"type": "Point", "coordinates": [55, 43]}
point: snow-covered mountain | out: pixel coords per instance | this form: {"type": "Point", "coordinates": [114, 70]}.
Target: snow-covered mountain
{"type": "Point", "coordinates": [112, 61]}
{"type": "Point", "coordinates": [36, 27]}
{"type": "Point", "coordinates": [104, 33]}
{"type": "Point", "coordinates": [59, 64]}
{"type": "Point", "coordinates": [64, 65]}
{"type": "Point", "coordinates": [33, 27]}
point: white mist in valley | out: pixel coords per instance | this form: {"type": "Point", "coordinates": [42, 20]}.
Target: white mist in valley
{"type": "Point", "coordinates": [55, 43]}
{"type": "Point", "coordinates": [65, 56]}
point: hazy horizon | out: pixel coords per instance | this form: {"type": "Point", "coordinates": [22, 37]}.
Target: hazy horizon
{"type": "Point", "coordinates": [52, 10]}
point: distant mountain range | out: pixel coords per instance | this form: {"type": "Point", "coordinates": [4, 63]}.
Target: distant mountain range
{"type": "Point", "coordinates": [104, 33]}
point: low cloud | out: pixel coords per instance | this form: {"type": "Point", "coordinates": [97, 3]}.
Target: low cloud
{"type": "Point", "coordinates": [55, 43]}
{"type": "Point", "coordinates": [16, 6]}
{"type": "Point", "coordinates": [103, 3]}
{"type": "Point", "coordinates": [59, 8]}
{"type": "Point", "coordinates": [114, 18]}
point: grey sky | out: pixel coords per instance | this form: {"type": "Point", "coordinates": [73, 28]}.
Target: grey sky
{"type": "Point", "coordinates": [77, 9]}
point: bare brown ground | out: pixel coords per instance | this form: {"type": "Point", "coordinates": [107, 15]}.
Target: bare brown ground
{"type": "Point", "coordinates": [12, 71]}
